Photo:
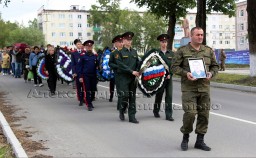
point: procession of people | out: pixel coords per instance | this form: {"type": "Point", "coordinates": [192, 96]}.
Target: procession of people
{"type": "Point", "coordinates": [125, 70]}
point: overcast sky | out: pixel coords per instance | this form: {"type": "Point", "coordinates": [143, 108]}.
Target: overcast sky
{"type": "Point", "coordinates": [25, 10]}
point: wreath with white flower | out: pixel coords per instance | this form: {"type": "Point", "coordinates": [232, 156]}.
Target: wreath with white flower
{"type": "Point", "coordinates": [41, 68]}
{"type": "Point", "coordinates": [63, 66]}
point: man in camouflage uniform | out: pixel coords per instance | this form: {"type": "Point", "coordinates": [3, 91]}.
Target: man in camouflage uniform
{"type": "Point", "coordinates": [195, 92]}
{"type": "Point", "coordinates": [222, 60]}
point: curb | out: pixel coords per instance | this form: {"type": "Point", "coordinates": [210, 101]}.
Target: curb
{"type": "Point", "coordinates": [228, 86]}
{"type": "Point", "coordinates": [11, 138]}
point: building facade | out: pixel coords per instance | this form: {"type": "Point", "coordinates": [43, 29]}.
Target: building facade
{"type": "Point", "coordinates": [61, 27]}
{"type": "Point", "coordinates": [220, 30]}
{"type": "Point", "coordinates": [241, 26]}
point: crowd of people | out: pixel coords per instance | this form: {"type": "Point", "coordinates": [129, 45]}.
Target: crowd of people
{"type": "Point", "coordinates": [124, 63]}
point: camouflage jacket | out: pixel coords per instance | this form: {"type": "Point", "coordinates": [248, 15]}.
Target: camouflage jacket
{"type": "Point", "coordinates": [180, 66]}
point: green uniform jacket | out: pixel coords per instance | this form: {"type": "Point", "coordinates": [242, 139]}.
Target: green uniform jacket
{"type": "Point", "coordinates": [168, 56]}
{"type": "Point", "coordinates": [180, 66]}
{"type": "Point", "coordinates": [127, 61]}
{"type": "Point", "coordinates": [112, 60]}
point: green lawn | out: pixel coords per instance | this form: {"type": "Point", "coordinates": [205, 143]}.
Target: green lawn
{"type": "Point", "coordinates": [235, 79]}
{"type": "Point", "coordinates": [6, 152]}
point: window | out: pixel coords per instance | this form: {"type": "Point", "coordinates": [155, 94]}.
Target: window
{"type": "Point", "coordinates": [79, 25]}
{"type": "Point", "coordinates": [79, 16]}
{"type": "Point", "coordinates": [191, 18]}
{"type": "Point", "coordinates": [227, 27]}
{"type": "Point", "coordinates": [213, 26]}
{"type": "Point", "coordinates": [71, 34]}
{"type": "Point", "coordinates": [61, 16]}
{"type": "Point", "coordinates": [241, 26]}
{"type": "Point", "coordinates": [62, 34]}
{"type": "Point", "coordinates": [88, 34]}
{"type": "Point", "coordinates": [71, 43]}
{"type": "Point", "coordinates": [227, 35]}
{"type": "Point", "coordinates": [70, 16]}
{"type": "Point", "coordinates": [242, 40]}
{"type": "Point", "coordinates": [52, 25]}
{"type": "Point", "coordinates": [220, 34]}
{"type": "Point", "coordinates": [241, 12]}
{"type": "Point", "coordinates": [88, 25]}
{"type": "Point", "coordinates": [63, 43]}
{"type": "Point", "coordinates": [88, 16]}
{"type": "Point", "coordinates": [70, 24]}
{"type": "Point", "coordinates": [220, 26]}
{"type": "Point", "coordinates": [53, 16]}
{"type": "Point", "coordinates": [80, 34]}
{"type": "Point", "coordinates": [53, 34]}
{"type": "Point", "coordinates": [220, 42]}
{"type": "Point", "coordinates": [61, 25]}
{"type": "Point", "coordinates": [213, 42]}
{"type": "Point", "coordinates": [227, 42]}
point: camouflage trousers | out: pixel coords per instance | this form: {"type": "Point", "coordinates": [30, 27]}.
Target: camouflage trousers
{"type": "Point", "coordinates": [195, 103]}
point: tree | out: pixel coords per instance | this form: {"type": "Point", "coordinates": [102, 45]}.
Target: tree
{"type": "Point", "coordinates": [251, 7]}
{"type": "Point", "coordinates": [204, 7]}
{"type": "Point", "coordinates": [169, 9]}
{"type": "Point", "coordinates": [5, 2]}
{"type": "Point", "coordinates": [113, 21]}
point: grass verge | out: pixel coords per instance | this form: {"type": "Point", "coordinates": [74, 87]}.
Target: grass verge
{"type": "Point", "coordinates": [244, 80]}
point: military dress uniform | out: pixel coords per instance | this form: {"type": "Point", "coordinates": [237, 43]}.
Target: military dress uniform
{"type": "Point", "coordinates": [167, 86]}
{"type": "Point", "coordinates": [87, 71]}
{"type": "Point", "coordinates": [195, 94]}
{"type": "Point", "coordinates": [127, 61]}
{"type": "Point", "coordinates": [75, 58]}
{"type": "Point", "coordinates": [113, 65]}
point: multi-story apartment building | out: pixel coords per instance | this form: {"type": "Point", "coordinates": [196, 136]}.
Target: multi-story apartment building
{"type": "Point", "coordinates": [61, 27]}
{"type": "Point", "coordinates": [241, 26]}
{"type": "Point", "coordinates": [220, 30]}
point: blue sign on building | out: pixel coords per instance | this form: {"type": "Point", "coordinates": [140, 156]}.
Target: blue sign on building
{"type": "Point", "coordinates": [235, 57]}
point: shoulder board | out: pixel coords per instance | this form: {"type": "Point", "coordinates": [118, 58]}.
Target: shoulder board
{"type": "Point", "coordinates": [113, 50]}
{"type": "Point", "coordinates": [208, 47]}
{"type": "Point", "coordinates": [181, 47]}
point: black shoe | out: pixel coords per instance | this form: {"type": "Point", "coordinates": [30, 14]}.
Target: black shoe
{"type": "Point", "coordinates": [134, 121]}
{"type": "Point", "coordinates": [169, 119]}
{"type": "Point", "coordinates": [89, 108]}
{"type": "Point", "coordinates": [81, 103]}
{"type": "Point", "coordinates": [200, 143]}
{"type": "Point", "coordinates": [110, 100]}
{"type": "Point", "coordinates": [121, 116]}
{"type": "Point", "coordinates": [156, 114]}
{"type": "Point", "coordinates": [184, 143]}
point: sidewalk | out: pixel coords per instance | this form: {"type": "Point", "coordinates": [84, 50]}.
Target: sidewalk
{"type": "Point", "coordinates": [239, 71]}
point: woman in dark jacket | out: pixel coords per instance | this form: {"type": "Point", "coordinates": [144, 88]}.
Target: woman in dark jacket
{"type": "Point", "coordinates": [25, 63]}
{"type": "Point", "coordinates": [50, 63]}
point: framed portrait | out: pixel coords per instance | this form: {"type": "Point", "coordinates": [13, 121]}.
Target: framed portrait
{"type": "Point", "coordinates": [197, 67]}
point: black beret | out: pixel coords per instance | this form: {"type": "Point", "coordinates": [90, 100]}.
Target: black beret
{"type": "Point", "coordinates": [163, 37]}
{"type": "Point", "coordinates": [128, 35]}
{"type": "Point", "coordinates": [76, 41]}
{"type": "Point", "coordinates": [117, 38]}
{"type": "Point", "coordinates": [88, 43]}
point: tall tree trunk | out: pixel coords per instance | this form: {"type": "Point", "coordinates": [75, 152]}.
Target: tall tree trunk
{"type": "Point", "coordinates": [251, 7]}
{"type": "Point", "coordinates": [201, 16]}
{"type": "Point", "coordinates": [171, 30]}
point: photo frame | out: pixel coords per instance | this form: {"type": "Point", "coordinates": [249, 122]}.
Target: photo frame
{"type": "Point", "coordinates": [197, 67]}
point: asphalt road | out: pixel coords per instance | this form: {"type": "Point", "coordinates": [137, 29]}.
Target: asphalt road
{"type": "Point", "coordinates": [71, 131]}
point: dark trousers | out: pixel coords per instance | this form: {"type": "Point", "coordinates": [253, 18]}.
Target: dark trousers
{"type": "Point", "coordinates": [167, 87]}
{"type": "Point", "coordinates": [89, 85]}
{"type": "Point", "coordinates": [25, 71]}
{"type": "Point", "coordinates": [52, 80]}
{"type": "Point", "coordinates": [79, 90]}
{"type": "Point", "coordinates": [128, 96]}
{"type": "Point", "coordinates": [112, 87]}
{"type": "Point", "coordinates": [36, 77]}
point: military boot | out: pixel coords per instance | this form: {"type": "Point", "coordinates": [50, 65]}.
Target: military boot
{"type": "Point", "coordinates": [184, 143]}
{"type": "Point", "coordinates": [200, 143]}
{"type": "Point", "coordinates": [121, 116]}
